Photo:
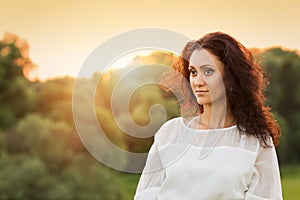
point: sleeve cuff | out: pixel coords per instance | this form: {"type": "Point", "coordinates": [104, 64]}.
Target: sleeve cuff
{"type": "Point", "coordinates": [149, 194]}
{"type": "Point", "coordinates": [250, 196]}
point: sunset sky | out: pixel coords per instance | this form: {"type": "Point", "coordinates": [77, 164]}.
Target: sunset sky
{"type": "Point", "coordinates": [62, 33]}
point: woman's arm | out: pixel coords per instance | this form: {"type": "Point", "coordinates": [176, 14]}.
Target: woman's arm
{"type": "Point", "coordinates": [154, 172]}
{"type": "Point", "coordinates": [265, 183]}
{"type": "Point", "coordinates": [152, 176]}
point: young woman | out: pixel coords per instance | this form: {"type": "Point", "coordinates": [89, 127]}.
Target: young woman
{"type": "Point", "coordinates": [223, 145]}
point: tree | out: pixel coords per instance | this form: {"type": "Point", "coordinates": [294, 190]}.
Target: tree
{"type": "Point", "coordinates": [134, 91]}
{"type": "Point", "coordinates": [40, 163]}
{"type": "Point", "coordinates": [284, 98]}
{"type": "Point", "coordinates": [27, 177]}
{"type": "Point", "coordinates": [14, 65]}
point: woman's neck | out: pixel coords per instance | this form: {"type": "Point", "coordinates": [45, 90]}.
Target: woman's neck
{"type": "Point", "coordinates": [216, 116]}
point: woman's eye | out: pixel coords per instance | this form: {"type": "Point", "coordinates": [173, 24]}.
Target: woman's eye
{"type": "Point", "coordinates": [193, 72]}
{"type": "Point", "coordinates": [208, 71]}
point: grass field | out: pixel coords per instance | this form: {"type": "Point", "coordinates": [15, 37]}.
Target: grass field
{"type": "Point", "coordinates": [129, 183]}
{"type": "Point", "coordinates": [290, 183]}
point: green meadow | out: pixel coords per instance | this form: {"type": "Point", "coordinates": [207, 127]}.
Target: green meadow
{"type": "Point", "coordinates": [291, 182]}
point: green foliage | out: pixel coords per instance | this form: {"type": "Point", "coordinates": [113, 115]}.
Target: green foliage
{"type": "Point", "coordinates": [55, 99]}
{"type": "Point", "coordinates": [41, 155]}
{"type": "Point", "coordinates": [91, 182]}
{"type": "Point", "coordinates": [284, 98]}
{"type": "Point", "coordinates": [27, 177]}
{"type": "Point", "coordinates": [42, 138]}
{"type": "Point", "coordinates": [13, 84]}
{"type": "Point", "coordinates": [129, 183]}
{"type": "Point", "coordinates": [45, 165]}
{"type": "Point", "coordinates": [135, 94]}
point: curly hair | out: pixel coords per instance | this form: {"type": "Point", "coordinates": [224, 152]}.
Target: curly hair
{"type": "Point", "coordinates": [244, 83]}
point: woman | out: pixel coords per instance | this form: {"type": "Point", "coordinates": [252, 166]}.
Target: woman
{"type": "Point", "coordinates": [223, 146]}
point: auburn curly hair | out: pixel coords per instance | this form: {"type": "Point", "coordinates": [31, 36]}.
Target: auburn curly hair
{"type": "Point", "coordinates": [244, 83]}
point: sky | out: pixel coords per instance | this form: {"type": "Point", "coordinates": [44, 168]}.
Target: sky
{"type": "Point", "coordinates": [62, 33]}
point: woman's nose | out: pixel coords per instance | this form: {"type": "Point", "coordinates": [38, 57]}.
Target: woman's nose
{"type": "Point", "coordinates": [199, 80]}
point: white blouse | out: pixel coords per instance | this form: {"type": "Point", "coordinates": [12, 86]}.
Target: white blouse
{"type": "Point", "coordinates": [216, 164]}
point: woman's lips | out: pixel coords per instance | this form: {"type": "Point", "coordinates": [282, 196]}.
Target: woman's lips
{"type": "Point", "coordinates": [201, 92]}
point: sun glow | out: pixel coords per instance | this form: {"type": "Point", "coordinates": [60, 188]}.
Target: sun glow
{"type": "Point", "coordinates": [126, 59]}
{"type": "Point", "coordinates": [60, 39]}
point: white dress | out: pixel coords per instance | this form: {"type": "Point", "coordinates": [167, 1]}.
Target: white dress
{"type": "Point", "coordinates": [217, 164]}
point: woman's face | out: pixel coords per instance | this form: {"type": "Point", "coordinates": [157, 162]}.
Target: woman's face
{"type": "Point", "coordinates": [206, 77]}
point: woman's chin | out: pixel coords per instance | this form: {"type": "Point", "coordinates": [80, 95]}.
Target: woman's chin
{"type": "Point", "coordinates": [203, 103]}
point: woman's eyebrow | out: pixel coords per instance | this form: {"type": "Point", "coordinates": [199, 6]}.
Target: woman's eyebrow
{"type": "Point", "coordinates": [202, 66]}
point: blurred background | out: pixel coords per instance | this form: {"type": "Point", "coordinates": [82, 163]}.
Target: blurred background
{"type": "Point", "coordinates": [42, 47]}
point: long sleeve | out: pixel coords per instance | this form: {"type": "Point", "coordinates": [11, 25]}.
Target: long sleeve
{"type": "Point", "coordinates": [152, 176]}
{"type": "Point", "coordinates": [233, 167]}
{"type": "Point", "coordinates": [265, 183]}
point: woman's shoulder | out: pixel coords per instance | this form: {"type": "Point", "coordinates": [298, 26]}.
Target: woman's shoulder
{"type": "Point", "coordinates": [168, 131]}
{"type": "Point", "coordinates": [171, 123]}
{"type": "Point", "coordinates": [253, 143]}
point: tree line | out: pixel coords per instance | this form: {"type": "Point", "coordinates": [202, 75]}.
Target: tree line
{"type": "Point", "coordinates": [41, 155]}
